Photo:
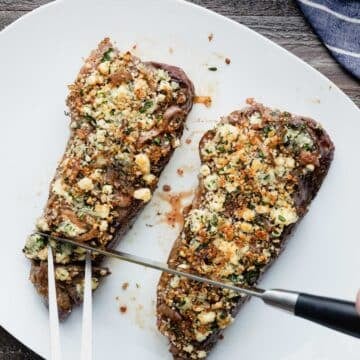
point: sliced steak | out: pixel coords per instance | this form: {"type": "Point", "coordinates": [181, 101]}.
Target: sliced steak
{"type": "Point", "coordinates": [127, 118]}
{"type": "Point", "coordinates": [260, 170]}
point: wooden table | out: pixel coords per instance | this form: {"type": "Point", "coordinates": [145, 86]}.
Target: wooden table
{"type": "Point", "coordinates": [279, 20]}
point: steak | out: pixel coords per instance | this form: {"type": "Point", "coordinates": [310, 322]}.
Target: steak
{"type": "Point", "coordinates": [127, 117]}
{"type": "Point", "coordinates": [260, 170]}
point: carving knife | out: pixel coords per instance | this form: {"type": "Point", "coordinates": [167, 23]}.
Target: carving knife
{"type": "Point", "coordinates": [336, 314]}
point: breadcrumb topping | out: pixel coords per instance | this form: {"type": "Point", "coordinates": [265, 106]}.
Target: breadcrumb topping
{"type": "Point", "coordinates": [251, 165]}
{"type": "Point", "coordinates": [124, 116]}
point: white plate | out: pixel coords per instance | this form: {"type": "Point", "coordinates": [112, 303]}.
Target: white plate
{"type": "Point", "coordinates": [41, 53]}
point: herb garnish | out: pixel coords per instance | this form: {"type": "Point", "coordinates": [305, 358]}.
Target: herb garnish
{"type": "Point", "coordinates": [147, 105]}
{"type": "Point", "coordinates": [106, 56]}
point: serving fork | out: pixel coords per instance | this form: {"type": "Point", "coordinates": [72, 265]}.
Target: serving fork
{"type": "Point", "coordinates": [340, 315]}
{"type": "Point", "coordinates": [86, 337]}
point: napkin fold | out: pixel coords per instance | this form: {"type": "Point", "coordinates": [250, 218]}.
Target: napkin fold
{"type": "Point", "coordinates": [337, 23]}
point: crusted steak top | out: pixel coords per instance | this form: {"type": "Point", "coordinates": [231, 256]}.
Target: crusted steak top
{"type": "Point", "coordinates": [260, 169]}
{"type": "Point", "coordinates": [126, 118]}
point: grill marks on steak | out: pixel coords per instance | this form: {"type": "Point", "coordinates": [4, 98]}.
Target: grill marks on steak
{"type": "Point", "coordinates": [260, 170]}
{"type": "Point", "coordinates": [126, 120]}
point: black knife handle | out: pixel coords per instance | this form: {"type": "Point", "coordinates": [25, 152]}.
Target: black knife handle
{"type": "Point", "coordinates": [336, 314]}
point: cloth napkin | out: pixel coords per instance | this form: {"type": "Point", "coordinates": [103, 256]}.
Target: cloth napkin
{"type": "Point", "coordinates": [337, 23]}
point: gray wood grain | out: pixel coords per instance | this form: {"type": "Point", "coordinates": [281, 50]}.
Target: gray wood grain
{"type": "Point", "coordinates": [11, 349]}
{"type": "Point", "coordinates": [226, 7]}
{"type": "Point", "coordinates": [278, 20]}
{"type": "Point", "coordinates": [7, 17]}
{"type": "Point", "coordinates": [25, 5]}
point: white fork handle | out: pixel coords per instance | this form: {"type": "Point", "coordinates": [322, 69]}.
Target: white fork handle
{"type": "Point", "coordinates": [86, 338]}
{"type": "Point", "coordinates": [55, 350]}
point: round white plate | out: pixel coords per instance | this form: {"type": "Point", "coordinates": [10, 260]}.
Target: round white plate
{"type": "Point", "coordinates": [42, 53]}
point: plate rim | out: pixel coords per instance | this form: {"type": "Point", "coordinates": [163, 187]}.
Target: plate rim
{"type": "Point", "coordinates": [203, 11]}
{"type": "Point", "coordinates": [206, 11]}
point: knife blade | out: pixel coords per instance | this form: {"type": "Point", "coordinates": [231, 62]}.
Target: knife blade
{"type": "Point", "coordinates": [336, 314]}
{"type": "Point", "coordinates": [157, 265]}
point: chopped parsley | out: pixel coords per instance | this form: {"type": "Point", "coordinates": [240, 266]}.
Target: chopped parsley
{"type": "Point", "coordinates": [234, 278]}
{"type": "Point", "coordinates": [202, 246]}
{"type": "Point", "coordinates": [157, 141]}
{"type": "Point", "coordinates": [286, 114]}
{"type": "Point", "coordinates": [128, 130]}
{"type": "Point", "coordinates": [267, 129]}
{"type": "Point", "coordinates": [223, 315]}
{"type": "Point", "coordinates": [214, 220]}
{"type": "Point", "coordinates": [251, 276]}
{"type": "Point", "coordinates": [147, 105]}
{"type": "Point", "coordinates": [275, 233]}
{"type": "Point", "coordinates": [90, 119]}
{"type": "Point", "coordinates": [261, 154]}
{"type": "Point", "coordinates": [107, 55]}
{"type": "Point", "coordinates": [307, 147]}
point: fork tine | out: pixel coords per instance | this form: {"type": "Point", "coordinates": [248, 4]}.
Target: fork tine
{"type": "Point", "coordinates": [86, 339]}
{"type": "Point", "coordinates": [55, 350]}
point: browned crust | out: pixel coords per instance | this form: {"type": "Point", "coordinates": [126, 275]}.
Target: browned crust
{"type": "Point", "coordinates": [177, 74]}
{"type": "Point", "coordinates": [308, 188]}
{"type": "Point", "coordinates": [93, 60]}
{"type": "Point", "coordinates": [128, 213]}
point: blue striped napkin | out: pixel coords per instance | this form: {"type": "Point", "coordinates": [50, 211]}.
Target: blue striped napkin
{"type": "Point", "coordinates": [337, 23]}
